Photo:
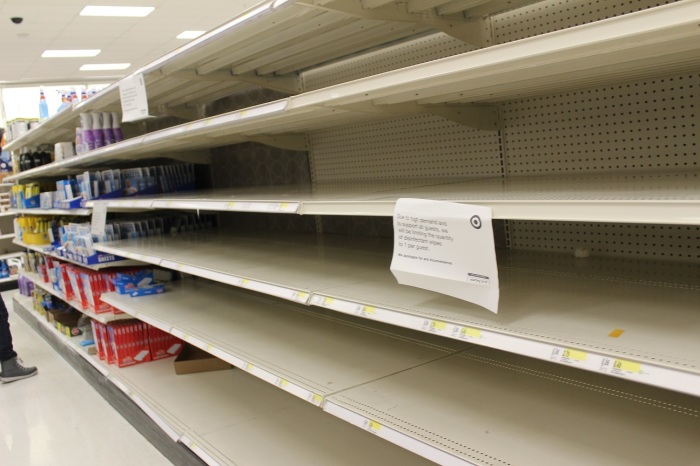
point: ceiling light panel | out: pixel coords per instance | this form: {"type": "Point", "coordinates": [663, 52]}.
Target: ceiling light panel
{"type": "Point", "coordinates": [189, 34]}
{"type": "Point", "coordinates": [70, 53]}
{"type": "Point", "coordinates": [117, 11]}
{"type": "Point", "coordinates": [104, 66]}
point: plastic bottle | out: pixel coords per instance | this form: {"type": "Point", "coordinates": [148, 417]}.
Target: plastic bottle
{"type": "Point", "coordinates": [4, 269]}
{"type": "Point", "coordinates": [97, 132]}
{"type": "Point", "coordinates": [118, 136]}
{"type": "Point", "coordinates": [83, 95]}
{"type": "Point", "coordinates": [73, 97]}
{"type": "Point", "coordinates": [87, 134]}
{"type": "Point", "coordinates": [64, 101]}
{"type": "Point", "coordinates": [107, 128]}
{"type": "Point", "coordinates": [43, 106]}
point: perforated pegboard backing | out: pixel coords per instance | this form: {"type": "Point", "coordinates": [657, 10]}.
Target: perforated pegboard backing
{"type": "Point", "coordinates": [411, 52]}
{"type": "Point", "coordinates": [408, 147]}
{"type": "Point", "coordinates": [542, 17]}
{"type": "Point", "coordinates": [641, 126]}
{"type": "Point", "coordinates": [671, 242]}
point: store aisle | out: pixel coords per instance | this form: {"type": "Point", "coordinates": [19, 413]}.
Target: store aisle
{"type": "Point", "coordinates": [56, 418]}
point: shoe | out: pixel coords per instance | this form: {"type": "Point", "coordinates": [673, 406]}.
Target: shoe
{"type": "Point", "coordinates": [13, 370]}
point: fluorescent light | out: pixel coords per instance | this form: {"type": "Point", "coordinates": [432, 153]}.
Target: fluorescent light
{"type": "Point", "coordinates": [189, 34]}
{"type": "Point", "coordinates": [70, 53]}
{"type": "Point", "coordinates": [124, 11]}
{"type": "Point", "coordinates": [105, 66]}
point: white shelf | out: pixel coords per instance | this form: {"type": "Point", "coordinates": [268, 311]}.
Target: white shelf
{"type": "Point", "coordinates": [266, 45]}
{"type": "Point", "coordinates": [104, 317]}
{"type": "Point", "coordinates": [7, 236]}
{"type": "Point", "coordinates": [11, 255]}
{"type": "Point", "coordinates": [660, 39]}
{"type": "Point", "coordinates": [228, 417]}
{"type": "Point", "coordinates": [76, 212]}
{"type": "Point", "coordinates": [487, 407]}
{"type": "Point", "coordinates": [47, 250]}
{"type": "Point", "coordinates": [669, 198]}
{"type": "Point", "coordinates": [11, 278]}
{"type": "Point", "coordinates": [437, 410]}
{"type": "Point", "coordinates": [541, 314]}
{"type": "Point", "coordinates": [302, 352]}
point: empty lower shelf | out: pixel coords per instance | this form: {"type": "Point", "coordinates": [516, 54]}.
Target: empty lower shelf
{"type": "Point", "coordinates": [303, 352]}
{"type": "Point", "coordinates": [487, 407]}
{"type": "Point", "coordinates": [641, 325]}
{"type": "Point", "coordinates": [231, 418]}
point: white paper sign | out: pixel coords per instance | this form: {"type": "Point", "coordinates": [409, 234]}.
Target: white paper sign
{"type": "Point", "coordinates": [132, 92]}
{"type": "Point", "coordinates": [99, 219]}
{"type": "Point", "coordinates": [448, 248]}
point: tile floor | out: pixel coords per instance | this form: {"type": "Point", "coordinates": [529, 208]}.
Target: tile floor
{"type": "Point", "coordinates": [56, 418]}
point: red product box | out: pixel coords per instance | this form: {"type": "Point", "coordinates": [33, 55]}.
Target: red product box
{"type": "Point", "coordinates": [129, 342]}
{"type": "Point", "coordinates": [67, 285]}
{"type": "Point", "coordinates": [162, 344]}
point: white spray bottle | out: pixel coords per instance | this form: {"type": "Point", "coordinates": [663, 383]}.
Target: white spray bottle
{"type": "Point", "coordinates": [97, 133]}
{"type": "Point", "coordinates": [118, 136]}
{"type": "Point", "coordinates": [107, 128]}
{"type": "Point", "coordinates": [87, 135]}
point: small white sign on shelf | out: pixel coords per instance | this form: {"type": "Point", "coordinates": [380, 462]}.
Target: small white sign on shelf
{"type": "Point", "coordinates": [132, 93]}
{"type": "Point", "coordinates": [448, 248]}
{"type": "Point", "coordinates": [99, 220]}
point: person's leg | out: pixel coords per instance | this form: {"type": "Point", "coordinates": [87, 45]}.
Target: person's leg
{"type": "Point", "coordinates": [11, 366]}
{"type": "Point", "coordinates": [6, 350]}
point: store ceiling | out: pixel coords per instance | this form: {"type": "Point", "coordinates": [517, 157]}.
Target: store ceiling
{"type": "Point", "coordinates": [56, 24]}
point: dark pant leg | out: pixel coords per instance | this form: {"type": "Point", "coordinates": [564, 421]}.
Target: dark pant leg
{"type": "Point", "coordinates": [6, 350]}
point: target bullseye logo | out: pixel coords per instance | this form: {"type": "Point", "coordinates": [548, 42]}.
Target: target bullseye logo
{"type": "Point", "coordinates": [475, 221]}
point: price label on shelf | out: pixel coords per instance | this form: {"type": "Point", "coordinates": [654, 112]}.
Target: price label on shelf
{"type": "Point", "coordinates": [568, 355]}
{"type": "Point", "coordinates": [366, 311]}
{"type": "Point", "coordinates": [315, 399]}
{"type": "Point", "coordinates": [300, 296]}
{"type": "Point", "coordinates": [282, 383]}
{"type": "Point", "coordinates": [372, 426]}
{"type": "Point", "coordinates": [622, 367]}
{"type": "Point", "coordinates": [466, 333]}
{"type": "Point", "coordinates": [435, 326]}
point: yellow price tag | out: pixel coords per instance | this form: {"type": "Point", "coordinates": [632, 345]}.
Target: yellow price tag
{"type": "Point", "coordinates": [327, 301]}
{"type": "Point", "coordinates": [437, 325]}
{"type": "Point", "coordinates": [185, 337]}
{"type": "Point", "coordinates": [315, 399]}
{"type": "Point", "coordinates": [574, 354]}
{"type": "Point", "coordinates": [374, 426]}
{"type": "Point", "coordinates": [470, 332]}
{"type": "Point", "coordinates": [231, 205]}
{"type": "Point", "coordinates": [628, 366]}
{"type": "Point", "coordinates": [245, 282]}
{"type": "Point", "coordinates": [210, 347]}
{"type": "Point", "coordinates": [368, 310]}
{"type": "Point", "coordinates": [249, 367]}
{"type": "Point", "coordinates": [282, 383]}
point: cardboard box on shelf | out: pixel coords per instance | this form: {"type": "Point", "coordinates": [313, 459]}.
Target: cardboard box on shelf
{"type": "Point", "coordinates": [192, 359]}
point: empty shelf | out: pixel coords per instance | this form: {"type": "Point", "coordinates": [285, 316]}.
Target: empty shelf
{"type": "Point", "coordinates": [639, 322]}
{"type": "Point", "coordinates": [229, 417]}
{"type": "Point", "coordinates": [305, 353]}
{"type": "Point", "coordinates": [487, 407]}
